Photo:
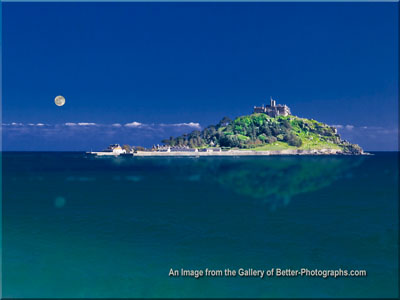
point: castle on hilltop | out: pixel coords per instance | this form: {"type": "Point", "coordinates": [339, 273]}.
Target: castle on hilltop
{"type": "Point", "coordinates": [273, 110]}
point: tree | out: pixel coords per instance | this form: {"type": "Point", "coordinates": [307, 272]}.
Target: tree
{"type": "Point", "coordinates": [271, 140]}
{"type": "Point", "coordinates": [292, 139]}
{"type": "Point", "coordinates": [172, 141]}
{"type": "Point", "coordinates": [266, 130]}
{"type": "Point", "coordinates": [224, 122]}
{"type": "Point", "coordinates": [229, 141]}
{"type": "Point", "coordinates": [127, 148]}
{"type": "Point", "coordinates": [275, 130]}
{"type": "Point", "coordinates": [192, 143]}
{"type": "Point", "coordinates": [262, 137]}
{"type": "Point", "coordinates": [286, 124]}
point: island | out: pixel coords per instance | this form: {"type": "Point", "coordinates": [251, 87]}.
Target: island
{"type": "Point", "coordinates": [269, 130]}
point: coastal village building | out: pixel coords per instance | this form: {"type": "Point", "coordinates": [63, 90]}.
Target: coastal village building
{"type": "Point", "coordinates": [272, 109]}
{"type": "Point", "coordinates": [116, 149]}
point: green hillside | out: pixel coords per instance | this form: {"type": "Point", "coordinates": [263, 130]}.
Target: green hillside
{"type": "Point", "coordinates": [262, 132]}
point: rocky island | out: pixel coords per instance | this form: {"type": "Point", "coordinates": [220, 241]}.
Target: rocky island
{"type": "Point", "coordinates": [269, 130]}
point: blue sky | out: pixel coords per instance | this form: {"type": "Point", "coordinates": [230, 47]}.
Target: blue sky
{"type": "Point", "coordinates": [167, 68]}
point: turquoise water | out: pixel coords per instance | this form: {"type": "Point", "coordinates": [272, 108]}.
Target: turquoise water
{"type": "Point", "coordinates": [75, 226]}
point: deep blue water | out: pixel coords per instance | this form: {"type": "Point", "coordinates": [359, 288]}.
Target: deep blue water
{"type": "Point", "coordinates": [75, 226]}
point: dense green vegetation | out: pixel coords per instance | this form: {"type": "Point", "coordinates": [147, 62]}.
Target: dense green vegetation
{"type": "Point", "coordinates": [262, 132]}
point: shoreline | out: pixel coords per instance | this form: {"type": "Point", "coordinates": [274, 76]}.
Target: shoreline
{"type": "Point", "coordinates": [229, 153]}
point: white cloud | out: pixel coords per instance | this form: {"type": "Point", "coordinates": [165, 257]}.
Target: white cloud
{"type": "Point", "coordinates": [22, 124]}
{"type": "Point", "coordinates": [79, 124]}
{"type": "Point", "coordinates": [190, 124]}
{"type": "Point", "coordinates": [347, 127]}
{"type": "Point", "coordinates": [86, 124]}
{"type": "Point", "coordinates": [337, 126]}
{"type": "Point", "coordinates": [116, 125]}
{"type": "Point", "coordinates": [134, 124]}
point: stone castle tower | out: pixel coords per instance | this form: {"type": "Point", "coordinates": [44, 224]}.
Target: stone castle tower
{"type": "Point", "coordinates": [272, 109]}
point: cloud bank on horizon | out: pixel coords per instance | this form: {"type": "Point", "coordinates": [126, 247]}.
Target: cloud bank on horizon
{"type": "Point", "coordinates": [82, 136]}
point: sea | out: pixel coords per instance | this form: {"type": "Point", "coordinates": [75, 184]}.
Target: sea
{"type": "Point", "coordinates": [75, 226]}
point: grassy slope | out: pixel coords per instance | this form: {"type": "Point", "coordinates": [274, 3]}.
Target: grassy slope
{"type": "Point", "coordinates": [310, 140]}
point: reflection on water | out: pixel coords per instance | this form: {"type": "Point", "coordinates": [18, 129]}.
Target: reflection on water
{"type": "Point", "coordinates": [264, 178]}
{"type": "Point", "coordinates": [273, 180]}
{"type": "Point", "coordinates": [277, 180]}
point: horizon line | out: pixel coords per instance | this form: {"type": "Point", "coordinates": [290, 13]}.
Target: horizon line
{"type": "Point", "coordinates": [202, 1]}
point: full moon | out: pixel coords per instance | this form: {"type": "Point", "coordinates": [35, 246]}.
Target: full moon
{"type": "Point", "coordinates": [59, 100]}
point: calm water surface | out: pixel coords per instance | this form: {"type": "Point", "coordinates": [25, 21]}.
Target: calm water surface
{"type": "Point", "coordinates": [75, 226]}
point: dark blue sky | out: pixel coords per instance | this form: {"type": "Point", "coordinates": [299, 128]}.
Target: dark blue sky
{"type": "Point", "coordinates": [174, 63]}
